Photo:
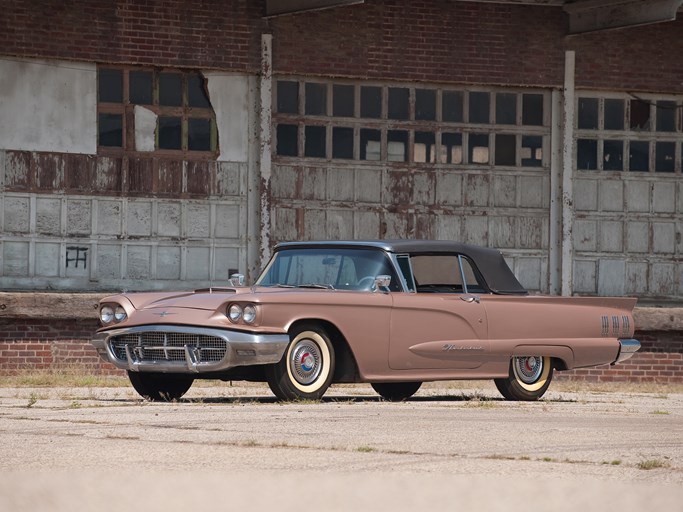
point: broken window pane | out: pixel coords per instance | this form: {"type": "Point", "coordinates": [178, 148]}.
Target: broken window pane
{"type": "Point", "coordinates": [170, 132]}
{"type": "Point", "coordinates": [371, 102]}
{"type": "Point", "coordinates": [196, 94]}
{"type": "Point", "coordinates": [370, 144]}
{"type": "Point", "coordinates": [110, 86]}
{"type": "Point", "coordinates": [587, 154]}
{"type": "Point", "coordinates": [343, 101]}
{"type": "Point", "coordinates": [479, 148]}
{"type": "Point", "coordinates": [639, 156]}
{"type": "Point", "coordinates": [424, 147]}
{"type": "Point", "coordinates": [588, 113]}
{"type": "Point", "coordinates": [140, 84]}
{"type": "Point", "coordinates": [479, 107]}
{"type": "Point", "coordinates": [613, 155]}
{"type": "Point", "coordinates": [532, 151]}
{"type": "Point", "coordinates": [665, 156]}
{"type": "Point", "coordinates": [397, 146]}
{"type": "Point", "coordinates": [425, 104]}
{"type": "Point", "coordinates": [170, 89]}
{"type": "Point", "coordinates": [666, 116]}
{"type": "Point", "coordinates": [287, 139]}
{"type": "Point", "coordinates": [451, 148]}
{"type": "Point", "coordinates": [532, 109]}
{"type": "Point", "coordinates": [342, 142]}
{"type": "Point", "coordinates": [452, 108]}
{"type": "Point", "coordinates": [316, 99]}
{"type": "Point", "coordinates": [506, 109]}
{"type": "Point", "coordinates": [314, 145]}
{"type": "Point", "coordinates": [506, 149]}
{"type": "Point", "coordinates": [640, 115]}
{"type": "Point", "coordinates": [199, 134]}
{"type": "Point", "coordinates": [614, 114]}
{"type": "Point", "coordinates": [399, 103]}
{"type": "Point", "coordinates": [110, 130]}
{"type": "Point", "coordinates": [287, 97]}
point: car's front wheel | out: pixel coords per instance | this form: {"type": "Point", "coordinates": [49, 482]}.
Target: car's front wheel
{"type": "Point", "coordinates": [160, 387]}
{"type": "Point", "coordinates": [528, 379]}
{"type": "Point", "coordinates": [306, 370]}
{"type": "Point", "coordinates": [396, 391]}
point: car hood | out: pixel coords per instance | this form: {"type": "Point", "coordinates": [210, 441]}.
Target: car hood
{"type": "Point", "coordinates": [208, 299]}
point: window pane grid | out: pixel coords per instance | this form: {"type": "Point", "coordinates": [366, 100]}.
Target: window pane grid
{"type": "Point", "coordinates": [630, 133]}
{"type": "Point", "coordinates": [422, 124]}
{"type": "Point", "coordinates": [185, 121]}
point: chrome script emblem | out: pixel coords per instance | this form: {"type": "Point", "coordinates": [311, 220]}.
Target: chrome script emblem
{"type": "Point", "coordinates": [163, 314]}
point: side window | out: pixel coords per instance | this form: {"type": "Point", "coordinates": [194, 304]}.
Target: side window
{"type": "Point", "coordinates": [437, 273]}
{"type": "Point", "coordinates": [404, 265]}
{"type": "Point", "coordinates": [472, 283]}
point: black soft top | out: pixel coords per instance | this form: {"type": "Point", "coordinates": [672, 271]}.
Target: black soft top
{"type": "Point", "coordinates": [489, 262]}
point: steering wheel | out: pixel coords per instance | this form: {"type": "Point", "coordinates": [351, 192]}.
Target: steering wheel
{"type": "Point", "coordinates": [365, 283]}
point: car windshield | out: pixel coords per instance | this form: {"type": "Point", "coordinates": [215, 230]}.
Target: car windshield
{"type": "Point", "coordinates": [334, 268]}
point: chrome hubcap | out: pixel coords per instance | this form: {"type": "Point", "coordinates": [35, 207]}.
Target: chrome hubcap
{"type": "Point", "coordinates": [305, 361]}
{"type": "Point", "coordinates": [528, 369]}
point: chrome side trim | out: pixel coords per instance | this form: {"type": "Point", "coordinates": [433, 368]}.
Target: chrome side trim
{"type": "Point", "coordinates": [243, 349]}
{"type": "Point", "coordinates": [627, 348]}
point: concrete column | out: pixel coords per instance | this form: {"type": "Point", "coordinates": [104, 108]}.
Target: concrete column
{"type": "Point", "coordinates": [265, 137]}
{"type": "Point", "coordinates": [568, 175]}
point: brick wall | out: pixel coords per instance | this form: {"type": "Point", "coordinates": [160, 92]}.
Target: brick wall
{"type": "Point", "coordinates": [219, 34]}
{"type": "Point", "coordinates": [41, 344]}
{"type": "Point", "coordinates": [457, 42]}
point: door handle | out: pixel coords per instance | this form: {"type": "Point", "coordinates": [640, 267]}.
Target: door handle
{"type": "Point", "coordinates": [471, 298]}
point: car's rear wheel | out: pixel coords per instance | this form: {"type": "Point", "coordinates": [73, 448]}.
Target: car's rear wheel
{"type": "Point", "coordinates": [306, 370]}
{"type": "Point", "coordinates": [396, 391]}
{"type": "Point", "coordinates": [160, 387]}
{"type": "Point", "coordinates": [529, 378]}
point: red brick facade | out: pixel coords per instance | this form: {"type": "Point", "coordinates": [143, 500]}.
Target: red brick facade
{"type": "Point", "coordinates": [434, 41]}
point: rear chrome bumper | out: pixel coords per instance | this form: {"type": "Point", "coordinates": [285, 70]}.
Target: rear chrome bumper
{"type": "Point", "coordinates": [626, 349]}
{"type": "Point", "coordinates": [156, 348]}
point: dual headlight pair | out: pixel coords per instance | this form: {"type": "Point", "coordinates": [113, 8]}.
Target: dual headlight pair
{"type": "Point", "coordinates": [112, 313]}
{"type": "Point", "coordinates": [244, 313]}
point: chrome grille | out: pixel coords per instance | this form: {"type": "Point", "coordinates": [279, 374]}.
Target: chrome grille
{"type": "Point", "coordinates": [168, 346]}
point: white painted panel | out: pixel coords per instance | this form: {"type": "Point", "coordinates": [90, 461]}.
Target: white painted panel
{"type": "Point", "coordinates": [145, 128]}
{"type": "Point", "coordinates": [229, 96]}
{"type": "Point", "coordinates": [53, 106]}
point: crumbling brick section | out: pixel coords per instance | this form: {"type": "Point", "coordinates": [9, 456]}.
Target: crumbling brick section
{"type": "Point", "coordinates": [41, 344]}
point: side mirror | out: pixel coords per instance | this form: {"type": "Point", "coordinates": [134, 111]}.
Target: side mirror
{"type": "Point", "coordinates": [237, 280]}
{"type": "Point", "coordinates": [382, 283]}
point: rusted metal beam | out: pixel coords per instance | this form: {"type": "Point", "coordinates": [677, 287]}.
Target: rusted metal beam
{"type": "Point", "coordinates": [280, 7]}
{"type": "Point", "coordinates": [568, 175]}
{"type": "Point", "coordinates": [265, 114]}
{"type": "Point", "coordinates": [594, 15]}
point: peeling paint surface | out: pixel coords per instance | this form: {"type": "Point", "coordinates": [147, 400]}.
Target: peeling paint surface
{"type": "Point", "coordinates": [52, 106]}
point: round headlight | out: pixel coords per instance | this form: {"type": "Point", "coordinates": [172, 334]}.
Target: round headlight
{"type": "Point", "coordinates": [120, 314]}
{"type": "Point", "coordinates": [106, 314]}
{"type": "Point", "coordinates": [249, 314]}
{"type": "Point", "coordinates": [235, 313]}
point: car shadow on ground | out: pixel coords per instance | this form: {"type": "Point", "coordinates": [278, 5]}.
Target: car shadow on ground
{"type": "Point", "coordinates": [474, 398]}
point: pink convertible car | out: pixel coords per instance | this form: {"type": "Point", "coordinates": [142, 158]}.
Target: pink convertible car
{"type": "Point", "coordinates": [390, 313]}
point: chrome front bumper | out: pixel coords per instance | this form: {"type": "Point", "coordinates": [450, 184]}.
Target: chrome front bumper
{"type": "Point", "coordinates": [186, 349]}
{"type": "Point", "coordinates": [626, 349]}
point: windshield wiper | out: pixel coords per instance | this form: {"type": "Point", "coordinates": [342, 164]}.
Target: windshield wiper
{"type": "Point", "coordinates": [317, 286]}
